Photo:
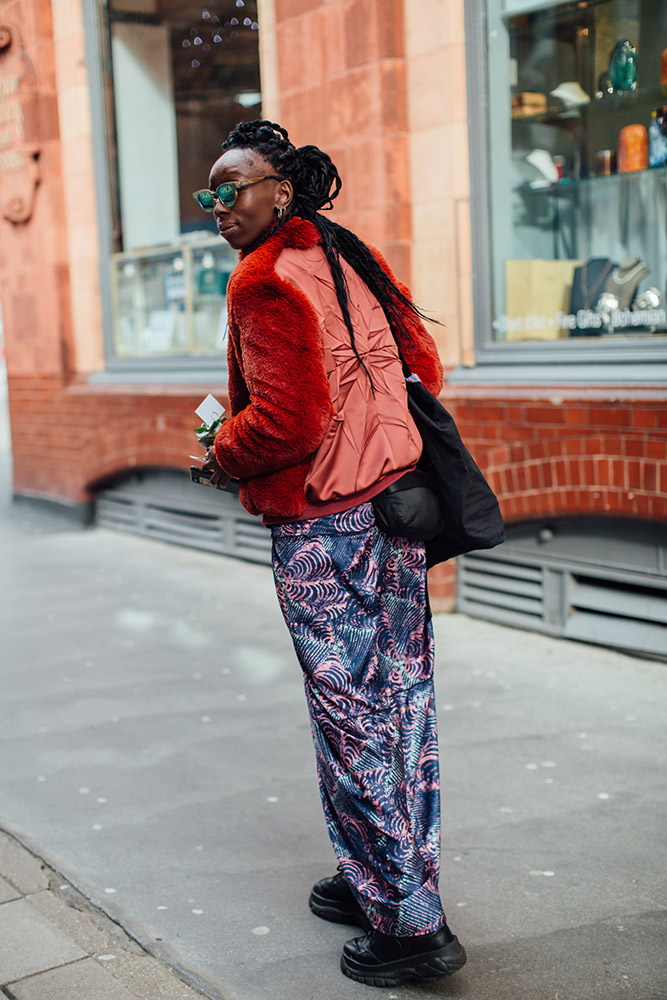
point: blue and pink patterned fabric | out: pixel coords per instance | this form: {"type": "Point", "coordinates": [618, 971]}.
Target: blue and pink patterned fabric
{"type": "Point", "coordinates": [355, 604]}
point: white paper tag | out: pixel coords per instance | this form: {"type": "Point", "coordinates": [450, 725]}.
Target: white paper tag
{"type": "Point", "coordinates": [209, 410]}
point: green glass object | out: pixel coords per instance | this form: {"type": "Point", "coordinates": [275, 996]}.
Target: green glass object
{"type": "Point", "coordinates": [623, 66]}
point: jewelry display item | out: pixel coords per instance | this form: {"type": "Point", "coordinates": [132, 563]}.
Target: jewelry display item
{"type": "Point", "coordinates": [650, 298]}
{"type": "Point", "coordinates": [542, 161]}
{"type": "Point", "coordinates": [605, 307]}
{"type": "Point", "coordinates": [590, 295]}
{"type": "Point", "coordinates": [571, 92]}
{"type": "Point", "coordinates": [623, 66]}
{"type": "Point", "coordinates": [649, 302]}
{"type": "Point", "coordinates": [588, 282]}
{"type": "Point", "coordinates": [657, 138]}
{"type": "Point", "coordinates": [604, 162]}
{"type": "Point", "coordinates": [632, 149]}
{"type": "Point", "coordinates": [625, 278]}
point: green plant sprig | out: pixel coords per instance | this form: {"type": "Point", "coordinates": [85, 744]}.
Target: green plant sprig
{"type": "Point", "coordinates": [206, 432]}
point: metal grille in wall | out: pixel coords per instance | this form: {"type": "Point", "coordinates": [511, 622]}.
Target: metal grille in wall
{"type": "Point", "coordinates": [599, 580]}
{"type": "Point", "coordinates": [166, 505]}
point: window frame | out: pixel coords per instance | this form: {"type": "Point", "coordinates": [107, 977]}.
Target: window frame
{"type": "Point", "coordinates": [611, 360]}
{"type": "Point", "coordinates": [173, 368]}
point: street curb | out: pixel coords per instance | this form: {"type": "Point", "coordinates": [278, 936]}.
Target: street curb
{"type": "Point", "coordinates": [150, 971]}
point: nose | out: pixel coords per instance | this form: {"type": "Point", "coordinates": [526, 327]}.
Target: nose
{"type": "Point", "coordinates": [220, 209]}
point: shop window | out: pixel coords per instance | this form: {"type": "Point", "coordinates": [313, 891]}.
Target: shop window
{"type": "Point", "coordinates": [177, 77]}
{"type": "Point", "coordinates": [576, 179]}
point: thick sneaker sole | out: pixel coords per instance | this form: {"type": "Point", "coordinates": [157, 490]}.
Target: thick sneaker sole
{"type": "Point", "coordinates": [338, 911]}
{"type": "Point", "coordinates": [416, 969]}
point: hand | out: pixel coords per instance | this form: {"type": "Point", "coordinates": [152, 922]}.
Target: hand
{"type": "Point", "coordinates": [219, 476]}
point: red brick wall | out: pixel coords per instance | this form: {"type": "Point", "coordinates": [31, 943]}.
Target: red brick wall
{"type": "Point", "coordinates": [68, 439]}
{"type": "Point", "coordinates": [556, 452]}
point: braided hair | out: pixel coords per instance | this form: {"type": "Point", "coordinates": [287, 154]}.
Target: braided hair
{"type": "Point", "coordinates": [316, 183]}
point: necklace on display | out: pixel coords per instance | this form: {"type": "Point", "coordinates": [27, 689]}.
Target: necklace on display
{"type": "Point", "coordinates": [590, 295]}
{"type": "Point", "coordinates": [625, 279]}
{"type": "Point", "coordinates": [630, 271]}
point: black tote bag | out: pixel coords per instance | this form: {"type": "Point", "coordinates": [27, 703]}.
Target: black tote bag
{"type": "Point", "coordinates": [471, 513]}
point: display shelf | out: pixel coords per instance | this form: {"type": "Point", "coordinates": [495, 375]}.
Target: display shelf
{"type": "Point", "coordinates": [569, 187]}
{"type": "Point", "coordinates": [171, 299]}
{"type": "Point", "coordinates": [609, 104]}
{"type": "Point", "coordinates": [511, 9]}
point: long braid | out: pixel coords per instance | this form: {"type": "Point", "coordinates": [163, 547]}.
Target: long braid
{"type": "Point", "coordinates": [316, 183]}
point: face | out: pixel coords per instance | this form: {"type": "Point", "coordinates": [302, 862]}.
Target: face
{"type": "Point", "coordinates": [256, 205]}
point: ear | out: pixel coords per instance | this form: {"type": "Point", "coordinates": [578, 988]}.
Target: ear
{"type": "Point", "coordinates": [285, 194]}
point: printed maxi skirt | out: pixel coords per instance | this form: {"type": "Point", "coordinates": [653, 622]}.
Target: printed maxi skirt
{"type": "Point", "coordinates": [355, 604]}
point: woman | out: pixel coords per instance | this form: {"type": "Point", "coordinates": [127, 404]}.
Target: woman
{"type": "Point", "coordinates": [320, 426]}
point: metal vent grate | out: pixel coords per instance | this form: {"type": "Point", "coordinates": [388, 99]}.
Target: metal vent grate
{"type": "Point", "coordinates": [617, 613]}
{"type": "Point", "coordinates": [502, 584]}
{"type": "Point", "coordinates": [168, 506]}
{"type": "Point", "coordinates": [602, 582]}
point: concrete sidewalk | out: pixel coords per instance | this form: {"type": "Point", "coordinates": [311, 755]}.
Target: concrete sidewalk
{"type": "Point", "coordinates": [55, 946]}
{"type": "Point", "coordinates": [155, 751]}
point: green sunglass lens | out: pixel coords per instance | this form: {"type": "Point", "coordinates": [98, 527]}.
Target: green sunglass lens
{"type": "Point", "coordinates": [227, 194]}
{"type": "Point", "coordinates": [206, 200]}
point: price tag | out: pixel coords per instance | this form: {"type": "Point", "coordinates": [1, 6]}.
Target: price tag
{"type": "Point", "coordinates": [209, 410]}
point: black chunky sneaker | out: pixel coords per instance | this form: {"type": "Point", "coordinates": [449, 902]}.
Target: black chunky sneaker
{"type": "Point", "coordinates": [382, 960]}
{"type": "Point", "coordinates": [332, 899]}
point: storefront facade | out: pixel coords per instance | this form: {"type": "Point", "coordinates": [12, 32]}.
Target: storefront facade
{"type": "Point", "coordinates": [506, 158]}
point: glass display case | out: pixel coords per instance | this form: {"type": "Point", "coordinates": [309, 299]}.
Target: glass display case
{"type": "Point", "coordinates": [171, 300]}
{"type": "Point", "coordinates": [578, 169]}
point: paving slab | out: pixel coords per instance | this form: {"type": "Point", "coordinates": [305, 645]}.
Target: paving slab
{"type": "Point", "coordinates": [7, 892]}
{"type": "Point", "coordinates": [21, 868]}
{"type": "Point", "coordinates": [107, 942]}
{"type": "Point", "coordinates": [84, 980]}
{"type": "Point", "coordinates": [29, 943]}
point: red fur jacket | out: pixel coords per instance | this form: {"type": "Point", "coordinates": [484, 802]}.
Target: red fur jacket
{"type": "Point", "coordinates": [278, 388]}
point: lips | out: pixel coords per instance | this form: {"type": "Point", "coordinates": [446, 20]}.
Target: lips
{"type": "Point", "coordinates": [226, 228]}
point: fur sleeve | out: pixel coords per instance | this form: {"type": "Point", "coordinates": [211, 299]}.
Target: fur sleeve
{"type": "Point", "coordinates": [281, 361]}
{"type": "Point", "coordinates": [422, 355]}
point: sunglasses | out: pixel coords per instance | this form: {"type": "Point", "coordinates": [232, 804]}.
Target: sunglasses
{"type": "Point", "coordinates": [227, 193]}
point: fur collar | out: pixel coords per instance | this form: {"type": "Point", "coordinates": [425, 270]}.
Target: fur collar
{"type": "Point", "coordinates": [298, 233]}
